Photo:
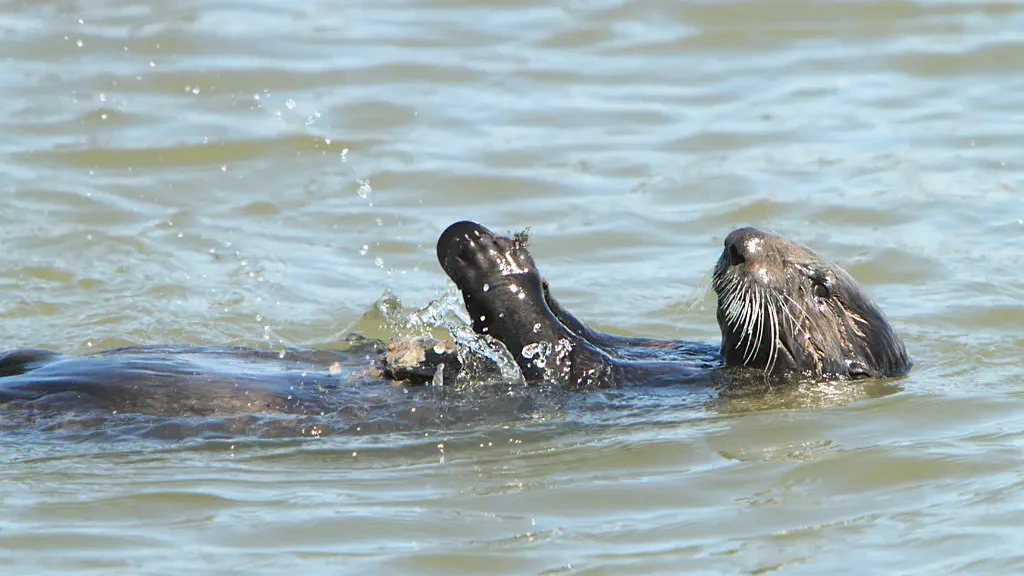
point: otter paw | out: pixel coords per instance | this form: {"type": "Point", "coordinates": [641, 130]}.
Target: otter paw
{"type": "Point", "coordinates": [478, 260]}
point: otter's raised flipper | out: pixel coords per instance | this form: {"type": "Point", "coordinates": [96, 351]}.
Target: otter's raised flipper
{"type": "Point", "coordinates": [504, 296]}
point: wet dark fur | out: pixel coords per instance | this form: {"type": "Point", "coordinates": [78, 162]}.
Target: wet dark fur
{"type": "Point", "coordinates": [783, 311]}
{"type": "Point", "coordinates": [204, 380]}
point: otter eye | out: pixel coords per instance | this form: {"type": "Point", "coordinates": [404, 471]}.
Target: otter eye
{"type": "Point", "coordinates": [822, 291]}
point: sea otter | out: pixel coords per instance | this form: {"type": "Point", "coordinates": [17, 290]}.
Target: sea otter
{"type": "Point", "coordinates": [783, 311]}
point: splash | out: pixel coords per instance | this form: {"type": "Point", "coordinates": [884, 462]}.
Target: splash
{"type": "Point", "coordinates": [480, 355]}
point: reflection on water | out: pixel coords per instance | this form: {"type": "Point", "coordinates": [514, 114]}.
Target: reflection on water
{"type": "Point", "coordinates": [220, 173]}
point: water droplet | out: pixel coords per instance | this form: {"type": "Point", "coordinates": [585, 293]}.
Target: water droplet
{"type": "Point", "coordinates": [290, 104]}
{"type": "Point", "coordinates": [224, 168]}
{"type": "Point", "coordinates": [378, 262]}
{"type": "Point", "coordinates": [195, 90]}
{"type": "Point", "coordinates": [536, 328]}
{"type": "Point", "coordinates": [80, 43]}
{"type": "Point", "coordinates": [364, 188]}
{"type": "Point", "coordinates": [152, 64]}
{"type": "Point", "coordinates": [364, 250]}
{"type": "Point", "coordinates": [487, 287]}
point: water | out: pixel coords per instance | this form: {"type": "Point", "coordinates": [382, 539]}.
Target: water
{"type": "Point", "coordinates": [262, 173]}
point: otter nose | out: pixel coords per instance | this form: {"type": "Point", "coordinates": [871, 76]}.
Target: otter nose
{"type": "Point", "coordinates": [744, 245]}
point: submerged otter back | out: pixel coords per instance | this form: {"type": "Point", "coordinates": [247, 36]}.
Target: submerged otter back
{"type": "Point", "coordinates": [183, 379]}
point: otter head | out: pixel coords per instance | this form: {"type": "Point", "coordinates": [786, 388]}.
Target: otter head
{"type": "Point", "coordinates": [785, 310]}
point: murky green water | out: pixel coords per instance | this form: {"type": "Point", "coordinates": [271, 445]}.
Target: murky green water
{"type": "Point", "coordinates": [262, 172]}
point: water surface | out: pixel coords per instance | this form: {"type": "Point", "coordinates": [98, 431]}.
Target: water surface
{"type": "Point", "coordinates": [263, 173]}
